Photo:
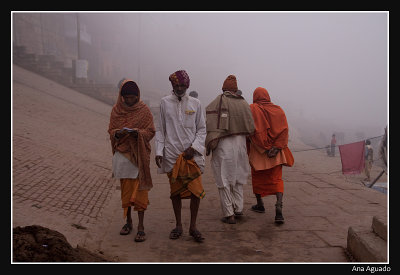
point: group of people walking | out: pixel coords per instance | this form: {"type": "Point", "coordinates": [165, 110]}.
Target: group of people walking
{"type": "Point", "coordinates": [242, 138]}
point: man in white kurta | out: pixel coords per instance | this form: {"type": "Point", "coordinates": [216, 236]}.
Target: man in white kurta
{"type": "Point", "coordinates": [181, 125]}
{"type": "Point", "coordinates": [181, 132]}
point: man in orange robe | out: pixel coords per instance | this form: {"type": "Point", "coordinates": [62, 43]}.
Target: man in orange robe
{"type": "Point", "coordinates": [268, 151]}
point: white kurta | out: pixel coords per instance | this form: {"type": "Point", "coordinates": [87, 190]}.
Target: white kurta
{"type": "Point", "coordinates": [230, 162]}
{"type": "Point", "coordinates": [123, 168]}
{"type": "Point", "coordinates": [230, 165]}
{"type": "Point", "coordinates": [181, 124]}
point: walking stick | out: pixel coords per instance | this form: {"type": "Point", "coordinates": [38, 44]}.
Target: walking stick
{"type": "Point", "coordinates": [375, 180]}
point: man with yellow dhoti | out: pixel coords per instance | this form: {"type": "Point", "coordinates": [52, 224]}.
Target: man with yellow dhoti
{"type": "Point", "coordinates": [180, 135]}
{"type": "Point", "coordinates": [131, 128]}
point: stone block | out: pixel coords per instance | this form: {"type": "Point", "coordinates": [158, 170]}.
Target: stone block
{"type": "Point", "coordinates": [379, 226]}
{"type": "Point", "coordinates": [366, 246]}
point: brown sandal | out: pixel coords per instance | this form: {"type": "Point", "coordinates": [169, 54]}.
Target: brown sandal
{"type": "Point", "coordinates": [175, 233]}
{"type": "Point", "coordinates": [228, 220]}
{"type": "Point", "coordinates": [258, 208]}
{"type": "Point", "coordinates": [196, 235]}
{"type": "Point", "coordinates": [126, 229]}
{"type": "Point", "coordinates": [140, 236]}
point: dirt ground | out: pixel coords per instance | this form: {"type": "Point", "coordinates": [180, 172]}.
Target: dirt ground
{"type": "Point", "coordinates": [40, 244]}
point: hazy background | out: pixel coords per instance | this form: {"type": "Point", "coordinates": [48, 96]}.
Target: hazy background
{"type": "Point", "coordinates": [327, 70]}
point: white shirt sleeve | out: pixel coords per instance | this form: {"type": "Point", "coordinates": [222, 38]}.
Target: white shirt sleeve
{"type": "Point", "coordinates": [160, 132]}
{"type": "Point", "coordinates": [201, 133]}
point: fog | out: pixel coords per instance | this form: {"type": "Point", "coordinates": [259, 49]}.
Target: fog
{"type": "Point", "coordinates": [327, 70]}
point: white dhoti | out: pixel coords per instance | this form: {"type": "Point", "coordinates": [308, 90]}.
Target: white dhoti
{"type": "Point", "coordinates": [230, 165]}
{"type": "Point", "coordinates": [231, 198]}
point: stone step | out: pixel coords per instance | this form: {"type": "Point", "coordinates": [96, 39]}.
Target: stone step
{"type": "Point", "coordinates": [365, 245]}
{"type": "Point", "coordinates": [379, 226]}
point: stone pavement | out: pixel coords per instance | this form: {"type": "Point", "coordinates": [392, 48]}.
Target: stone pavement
{"type": "Point", "coordinates": [62, 180]}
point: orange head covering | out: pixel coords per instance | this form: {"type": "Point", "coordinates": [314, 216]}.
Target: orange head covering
{"type": "Point", "coordinates": [269, 120]}
{"type": "Point", "coordinates": [230, 84]}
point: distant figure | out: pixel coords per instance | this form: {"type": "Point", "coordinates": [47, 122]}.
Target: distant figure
{"type": "Point", "coordinates": [131, 153]}
{"type": "Point", "coordinates": [229, 121]}
{"type": "Point", "coordinates": [120, 83]}
{"type": "Point", "coordinates": [268, 151]}
{"type": "Point", "coordinates": [383, 148]}
{"type": "Point", "coordinates": [328, 150]}
{"type": "Point", "coordinates": [333, 145]}
{"type": "Point", "coordinates": [194, 94]}
{"type": "Point", "coordinates": [369, 159]}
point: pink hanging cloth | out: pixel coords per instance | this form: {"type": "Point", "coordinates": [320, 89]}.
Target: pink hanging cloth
{"type": "Point", "coordinates": [352, 157]}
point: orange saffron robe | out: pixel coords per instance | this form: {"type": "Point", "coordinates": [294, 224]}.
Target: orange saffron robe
{"type": "Point", "coordinates": [132, 196]}
{"type": "Point", "coordinates": [271, 130]}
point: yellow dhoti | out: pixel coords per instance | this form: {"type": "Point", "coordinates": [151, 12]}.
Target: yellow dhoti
{"type": "Point", "coordinates": [185, 179]}
{"type": "Point", "coordinates": [132, 196]}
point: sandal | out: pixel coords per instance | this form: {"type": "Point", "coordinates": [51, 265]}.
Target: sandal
{"type": "Point", "coordinates": [258, 209]}
{"type": "Point", "coordinates": [227, 220]}
{"type": "Point", "coordinates": [140, 236]}
{"type": "Point", "coordinates": [196, 235]}
{"type": "Point", "coordinates": [175, 233]}
{"type": "Point", "coordinates": [126, 229]}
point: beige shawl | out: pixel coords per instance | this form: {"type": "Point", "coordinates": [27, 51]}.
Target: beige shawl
{"type": "Point", "coordinates": [228, 114]}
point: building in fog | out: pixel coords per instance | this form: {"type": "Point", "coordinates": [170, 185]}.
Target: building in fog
{"type": "Point", "coordinates": [55, 36]}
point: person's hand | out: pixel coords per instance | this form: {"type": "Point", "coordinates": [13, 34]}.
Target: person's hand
{"type": "Point", "coordinates": [121, 133]}
{"type": "Point", "coordinates": [159, 161]}
{"type": "Point", "coordinates": [272, 152]}
{"type": "Point", "coordinates": [134, 134]}
{"type": "Point", "coordinates": [188, 153]}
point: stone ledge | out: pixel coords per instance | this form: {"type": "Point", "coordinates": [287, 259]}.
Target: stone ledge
{"type": "Point", "coordinates": [365, 245]}
{"type": "Point", "coordinates": [379, 226]}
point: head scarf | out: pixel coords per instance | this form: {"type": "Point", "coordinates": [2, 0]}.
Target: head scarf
{"type": "Point", "coordinates": [230, 84]}
{"type": "Point", "coordinates": [180, 78]}
{"type": "Point", "coordinates": [137, 150]}
{"type": "Point", "coordinates": [270, 122]}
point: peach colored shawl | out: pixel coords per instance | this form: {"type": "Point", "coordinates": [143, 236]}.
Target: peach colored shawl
{"type": "Point", "coordinates": [138, 150]}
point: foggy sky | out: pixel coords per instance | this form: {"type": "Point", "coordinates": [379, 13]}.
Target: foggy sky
{"type": "Point", "coordinates": [327, 70]}
{"type": "Point", "coordinates": [330, 67]}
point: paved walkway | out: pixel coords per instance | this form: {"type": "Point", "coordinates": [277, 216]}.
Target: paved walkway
{"type": "Point", "coordinates": [62, 180]}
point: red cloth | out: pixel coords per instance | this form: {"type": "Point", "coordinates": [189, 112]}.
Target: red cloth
{"type": "Point", "coordinates": [352, 157]}
{"type": "Point", "coordinates": [267, 182]}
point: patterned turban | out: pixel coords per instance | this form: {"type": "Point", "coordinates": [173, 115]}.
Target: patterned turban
{"type": "Point", "coordinates": [230, 84]}
{"type": "Point", "coordinates": [180, 78]}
